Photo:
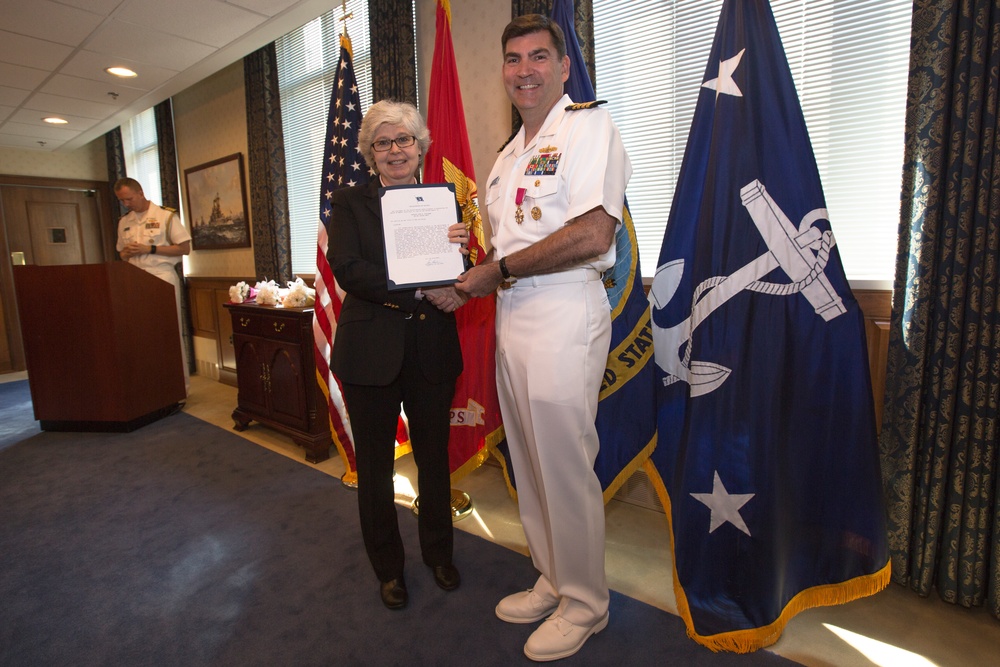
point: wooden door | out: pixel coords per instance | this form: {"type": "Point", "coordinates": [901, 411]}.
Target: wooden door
{"type": "Point", "coordinates": [47, 222]}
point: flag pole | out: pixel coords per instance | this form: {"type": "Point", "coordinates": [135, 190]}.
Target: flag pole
{"type": "Point", "coordinates": [343, 19]}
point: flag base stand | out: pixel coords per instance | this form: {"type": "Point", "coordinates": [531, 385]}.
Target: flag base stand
{"type": "Point", "coordinates": [461, 505]}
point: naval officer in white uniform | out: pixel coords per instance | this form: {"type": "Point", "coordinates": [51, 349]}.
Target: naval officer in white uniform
{"type": "Point", "coordinates": [555, 198]}
{"type": "Point", "coordinates": [152, 238]}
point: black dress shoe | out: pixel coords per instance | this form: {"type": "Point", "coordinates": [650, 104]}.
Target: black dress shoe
{"type": "Point", "coordinates": [393, 593]}
{"type": "Point", "coordinates": [446, 576]}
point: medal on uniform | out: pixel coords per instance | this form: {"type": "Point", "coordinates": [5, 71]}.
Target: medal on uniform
{"type": "Point", "coordinates": [536, 213]}
{"type": "Point", "coordinates": [519, 199]}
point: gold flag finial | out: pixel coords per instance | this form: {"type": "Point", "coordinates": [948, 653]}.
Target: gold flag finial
{"type": "Point", "coordinates": [345, 16]}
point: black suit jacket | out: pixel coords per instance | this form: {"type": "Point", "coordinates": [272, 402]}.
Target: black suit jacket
{"type": "Point", "coordinates": [371, 328]}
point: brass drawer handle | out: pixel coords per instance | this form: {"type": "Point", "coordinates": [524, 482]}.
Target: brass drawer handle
{"type": "Point", "coordinates": [279, 326]}
{"type": "Point", "coordinates": [244, 322]}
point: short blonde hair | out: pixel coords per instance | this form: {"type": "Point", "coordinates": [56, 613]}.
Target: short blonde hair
{"type": "Point", "coordinates": [392, 112]}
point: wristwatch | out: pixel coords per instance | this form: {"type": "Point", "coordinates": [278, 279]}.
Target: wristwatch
{"type": "Point", "coordinates": [152, 249]}
{"type": "Point", "coordinates": [503, 268]}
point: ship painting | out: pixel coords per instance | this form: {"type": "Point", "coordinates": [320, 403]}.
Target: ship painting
{"type": "Point", "coordinates": [217, 204]}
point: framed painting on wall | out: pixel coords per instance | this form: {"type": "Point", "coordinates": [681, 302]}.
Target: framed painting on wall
{"type": "Point", "coordinates": [217, 204]}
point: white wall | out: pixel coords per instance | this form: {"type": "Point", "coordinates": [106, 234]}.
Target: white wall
{"type": "Point", "coordinates": [88, 163]}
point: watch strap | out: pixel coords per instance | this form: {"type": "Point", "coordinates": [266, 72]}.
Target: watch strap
{"type": "Point", "coordinates": [503, 268]}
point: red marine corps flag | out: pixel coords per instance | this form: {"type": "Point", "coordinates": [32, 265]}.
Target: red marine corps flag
{"type": "Point", "coordinates": [475, 413]}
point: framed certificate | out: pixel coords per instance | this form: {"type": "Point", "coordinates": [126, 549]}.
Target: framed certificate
{"type": "Point", "coordinates": [415, 221]}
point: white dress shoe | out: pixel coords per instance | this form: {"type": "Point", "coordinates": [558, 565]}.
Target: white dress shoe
{"type": "Point", "coordinates": [525, 607]}
{"type": "Point", "coordinates": [558, 638]}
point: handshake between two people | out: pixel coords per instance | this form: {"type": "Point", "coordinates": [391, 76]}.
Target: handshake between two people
{"type": "Point", "coordinates": [448, 298]}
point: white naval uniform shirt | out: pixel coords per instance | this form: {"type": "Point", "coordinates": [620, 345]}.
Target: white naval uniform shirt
{"type": "Point", "coordinates": [155, 226]}
{"type": "Point", "coordinates": [575, 163]}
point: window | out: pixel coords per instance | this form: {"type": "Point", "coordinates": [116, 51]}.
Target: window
{"type": "Point", "coordinates": [849, 60]}
{"type": "Point", "coordinates": [142, 156]}
{"type": "Point", "coordinates": [307, 63]}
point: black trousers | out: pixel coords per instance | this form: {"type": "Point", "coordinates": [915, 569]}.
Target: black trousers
{"type": "Point", "coordinates": [374, 413]}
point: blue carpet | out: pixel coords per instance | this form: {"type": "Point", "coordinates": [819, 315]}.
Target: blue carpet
{"type": "Point", "coordinates": [17, 418]}
{"type": "Point", "coordinates": [183, 544]}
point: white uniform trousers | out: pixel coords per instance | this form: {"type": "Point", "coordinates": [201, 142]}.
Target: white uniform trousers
{"type": "Point", "coordinates": [552, 349]}
{"type": "Point", "coordinates": [169, 274]}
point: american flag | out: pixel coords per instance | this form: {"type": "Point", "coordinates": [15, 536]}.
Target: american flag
{"type": "Point", "coordinates": [343, 165]}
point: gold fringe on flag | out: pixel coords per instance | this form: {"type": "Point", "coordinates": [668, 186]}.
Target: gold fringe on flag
{"type": "Point", "coordinates": [747, 641]}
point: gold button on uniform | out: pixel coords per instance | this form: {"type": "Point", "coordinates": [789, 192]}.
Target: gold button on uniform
{"type": "Point", "coordinates": [423, 316]}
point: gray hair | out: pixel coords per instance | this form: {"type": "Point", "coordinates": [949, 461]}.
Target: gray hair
{"type": "Point", "coordinates": [392, 112]}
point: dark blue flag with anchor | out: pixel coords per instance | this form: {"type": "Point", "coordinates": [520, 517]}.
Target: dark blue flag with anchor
{"type": "Point", "coordinates": [766, 450]}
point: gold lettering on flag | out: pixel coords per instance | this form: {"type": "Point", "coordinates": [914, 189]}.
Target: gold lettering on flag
{"type": "Point", "coordinates": [629, 357]}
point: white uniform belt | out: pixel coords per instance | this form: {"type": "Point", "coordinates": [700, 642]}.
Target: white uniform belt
{"type": "Point", "coordinates": [571, 276]}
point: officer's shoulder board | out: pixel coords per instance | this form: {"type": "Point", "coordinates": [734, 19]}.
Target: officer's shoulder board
{"type": "Point", "coordinates": [167, 208]}
{"type": "Point", "coordinates": [580, 106]}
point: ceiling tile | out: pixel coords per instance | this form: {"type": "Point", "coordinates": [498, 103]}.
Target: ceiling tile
{"type": "Point", "coordinates": [38, 131]}
{"type": "Point", "coordinates": [91, 65]}
{"type": "Point", "coordinates": [204, 21]}
{"type": "Point", "coordinates": [17, 76]}
{"type": "Point", "coordinates": [31, 52]}
{"type": "Point", "coordinates": [266, 7]}
{"type": "Point", "coordinates": [48, 20]}
{"type": "Point", "coordinates": [85, 89]}
{"type": "Point", "coordinates": [32, 117]}
{"type": "Point", "coordinates": [12, 96]}
{"type": "Point", "coordinates": [147, 46]}
{"type": "Point", "coordinates": [53, 54]}
{"type": "Point", "coordinates": [17, 141]}
{"type": "Point", "coordinates": [101, 7]}
{"type": "Point", "coordinates": [57, 104]}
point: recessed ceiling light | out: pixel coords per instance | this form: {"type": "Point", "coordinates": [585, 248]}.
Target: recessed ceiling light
{"type": "Point", "coordinates": [55, 120]}
{"type": "Point", "coordinates": [123, 72]}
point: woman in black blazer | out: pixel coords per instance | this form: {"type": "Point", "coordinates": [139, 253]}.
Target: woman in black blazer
{"type": "Point", "coordinates": [394, 348]}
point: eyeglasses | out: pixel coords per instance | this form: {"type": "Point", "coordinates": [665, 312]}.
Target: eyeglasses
{"type": "Point", "coordinates": [382, 145]}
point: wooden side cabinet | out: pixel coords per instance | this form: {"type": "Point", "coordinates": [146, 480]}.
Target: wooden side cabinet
{"type": "Point", "coordinates": [276, 375]}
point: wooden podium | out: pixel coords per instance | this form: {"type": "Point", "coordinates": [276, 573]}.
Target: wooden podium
{"type": "Point", "coordinates": [101, 344]}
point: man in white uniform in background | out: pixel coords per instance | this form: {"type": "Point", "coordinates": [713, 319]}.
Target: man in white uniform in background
{"type": "Point", "coordinates": [555, 198]}
{"type": "Point", "coordinates": [153, 239]}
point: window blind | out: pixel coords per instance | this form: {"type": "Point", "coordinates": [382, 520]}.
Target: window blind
{"type": "Point", "coordinates": [307, 63]}
{"type": "Point", "coordinates": [141, 147]}
{"type": "Point", "coordinates": [849, 60]}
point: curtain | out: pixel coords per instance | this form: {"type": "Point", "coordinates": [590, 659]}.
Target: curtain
{"type": "Point", "coordinates": [167, 153]}
{"type": "Point", "coordinates": [394, 62]}
{"type": "Point", "coordinates": [583, 21]}
{"type": "Point", "coordinates": [268, 188]}
{"type": "Point", "coordinates": [170, 194]}
{"type": "Point", "coordinates": [115, 149]}
{"type": "Point", "coordinates": [939, 434]}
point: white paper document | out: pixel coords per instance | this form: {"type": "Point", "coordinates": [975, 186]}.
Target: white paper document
{"type": "Point", "coordinates": [415, 222]}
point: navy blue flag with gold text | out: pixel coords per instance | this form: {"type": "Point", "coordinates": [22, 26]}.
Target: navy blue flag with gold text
{"type": "Point", "coordinates": [628, 387]}
{"type": "Point", "coordinates": [767, 458]}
